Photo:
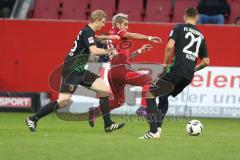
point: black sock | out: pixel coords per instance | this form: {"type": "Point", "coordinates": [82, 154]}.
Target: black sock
{"type": "Point", "coordinates": [152, 114]}
{"type": "Point", "coordinates": [162, 109]}
{"type": "Point", "coordinates": [49, 108]}
{"type": "Point", "coordinates": [104, 107]}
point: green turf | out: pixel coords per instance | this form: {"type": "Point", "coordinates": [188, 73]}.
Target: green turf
{"type": "Point", "coordinates": [61, 140]}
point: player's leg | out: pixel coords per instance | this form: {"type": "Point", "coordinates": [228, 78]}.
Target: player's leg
{"type": "Point", "coordinates": [103, 90]}
{"type": "Point", "coordinates": [118, 95]}
{"type": "Point", "coordinates": [144, 92]}
{"type": "Point", "coordinates": [162, 110]}
{"type": "Point", "coordinates": [117, 84]}
{"type": "Point", "coordinates": [64, 99]}
{"type": "Point", "coordinates": [160, 87]}
{"type": "Point", "coordinates": [179, 84]}
{"type": "Point", "coordinates": [141, 111]}
{"type": "Point", "coordinates": [152, 119]}
{"type": "Point", "coordinates": [163, 100]}
{"type": "Point", "coordinates": [95, 112]}
{"type": "Point", "coordinates": [137, 78]}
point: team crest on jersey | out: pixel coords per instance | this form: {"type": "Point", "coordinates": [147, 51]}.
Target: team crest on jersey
{"type": "Point", "coordinates": [125, 44]}
{"type": "Point", "coordinates": [91, 40]}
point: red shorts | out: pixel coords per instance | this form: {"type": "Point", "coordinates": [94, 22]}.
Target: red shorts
{"type": "Point", "coordinates": [119, 76]}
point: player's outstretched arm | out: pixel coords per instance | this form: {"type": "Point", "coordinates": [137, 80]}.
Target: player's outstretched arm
{"type": "Point", "coordinates": [204, 63]}
{"type": "Point", "coordinates": [142, 37]}
{"type": "Point", "coordinates": [144, 48]}
{"type": "Point", "coordinates": [110, 37]}
{"type": "Point", "coordinates": [99, 51]}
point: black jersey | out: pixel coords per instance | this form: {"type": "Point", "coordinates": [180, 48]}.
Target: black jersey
{"type": "Point", "coordinates": [79, 54]}
{"type": "Point", "coordinates": [189, 45]}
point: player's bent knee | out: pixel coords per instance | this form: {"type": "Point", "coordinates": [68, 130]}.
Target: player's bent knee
{"type": "Point", "coordinates": [149, 95]}
{"type": "Point", "coordinates": [100, 87]}
{"type": "Point", "coordinates": [64, 100]}
{"type": "Point", "coordinates": [105, 93]}
{"type": "Point", "coordinates": [120, 104]}
{"type": "Point", "coordinates": [161, 88]}
{"type": "Point", "coordinates": [64, 103]}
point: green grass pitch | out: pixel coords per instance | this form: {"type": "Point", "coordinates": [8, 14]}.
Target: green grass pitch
{"type": "Point", "coordinates": [64, 140]}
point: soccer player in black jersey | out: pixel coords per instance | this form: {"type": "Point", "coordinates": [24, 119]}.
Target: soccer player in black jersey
{"type": "Point", "coordinates": [188, 44]}
{"type": "Point", "coordinates": [74, 73]}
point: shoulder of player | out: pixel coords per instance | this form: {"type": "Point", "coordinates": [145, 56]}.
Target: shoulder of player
{"type": "Point", "coordinates": [178, 26]}
{"type": "Point", "coordinates": [199, 31]}
{"type": "Point", "coordinates": [121, 30]}
{"type": "Point", "coordinates": [113, 31]}
{"type": "Point", "coordinates": [116, 31]}
{"type": "Point", "coordinates": [87, 31]}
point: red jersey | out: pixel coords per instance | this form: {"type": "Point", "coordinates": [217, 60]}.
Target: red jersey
{"type": "Point", "coordinates": [122, 46]}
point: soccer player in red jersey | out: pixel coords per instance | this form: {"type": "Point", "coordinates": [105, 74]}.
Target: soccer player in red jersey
{"type": "Point", "coordinates": [120, 72]}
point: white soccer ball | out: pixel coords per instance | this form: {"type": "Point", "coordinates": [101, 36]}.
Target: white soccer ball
{"type": "Point", "coordinates": [194, 127]}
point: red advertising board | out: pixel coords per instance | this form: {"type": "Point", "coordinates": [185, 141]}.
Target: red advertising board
{"type": "Point", "coordinates": [30, 49]}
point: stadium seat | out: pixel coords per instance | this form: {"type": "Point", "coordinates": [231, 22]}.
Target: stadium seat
{"type": "Point", "coordinates": [157, 11]}
{"type": "Point", "coordinates": [75, 9]}
{"type": "Point", "coordinates": [180, 7]}
{"type": "Point", "coordinates": [46, 9]}
{"type": "Point", "coordinates": [107, 5]}
{"type": "Point", "coordinates": [132, 8]}
{"type": "Point", "coordinates": [235, 10]}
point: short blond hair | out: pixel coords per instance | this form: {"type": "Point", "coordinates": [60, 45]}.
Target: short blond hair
{"type": "Point", "coordinates": [97, 15]}
{"type": "Point", "coordinates": [118, 18]}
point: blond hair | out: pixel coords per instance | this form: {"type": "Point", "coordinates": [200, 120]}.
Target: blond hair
{"type": "Point", "coordinates": [97, 15]}
{"type": "Point", "coordinates": [118, 18]}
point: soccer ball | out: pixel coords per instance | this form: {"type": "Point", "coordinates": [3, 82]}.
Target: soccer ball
{"type": "Point", "coordinates": [194, 127]}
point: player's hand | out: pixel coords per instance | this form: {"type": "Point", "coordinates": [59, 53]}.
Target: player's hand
{"type": "Point", "coordinates": [146, 47]}
{"type": "Point", "coordinates": [114, 37]}
{"type": "Point", "coordinates": [155, 39]}
{"type": "Point", "coordinates": [113, 54]}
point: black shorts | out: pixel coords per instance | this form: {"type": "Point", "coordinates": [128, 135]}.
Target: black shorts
{"type": "Point", "coordinates": [169, 84]}
{"type": "Point", "coordinates": [71, 80]}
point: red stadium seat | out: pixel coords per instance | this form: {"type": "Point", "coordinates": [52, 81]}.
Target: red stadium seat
{"type": "Point", "coordinates": [132, 8]}
{"type": "Point", "coordinates": [75, 9]}
{"type": "Point", "coordinates": [180, 7]}
{"type": "Point", "coordinates": [46, 9]}
{"type": "Point", "coordinates": [158, 11]}
{"type": "Point", "coordinates": [107, 5]}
